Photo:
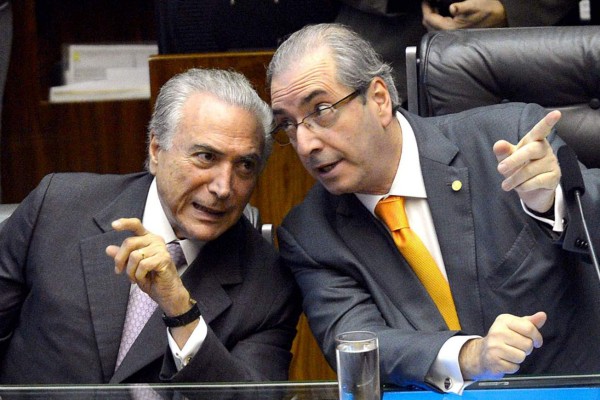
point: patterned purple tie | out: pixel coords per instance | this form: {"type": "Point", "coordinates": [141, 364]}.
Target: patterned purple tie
{"type": "Point", "coordinates": [139, 310]}
{"type": "Point", "coordinates": [141, 307]}
{"type": "Point", "coordinates": [176, 253]}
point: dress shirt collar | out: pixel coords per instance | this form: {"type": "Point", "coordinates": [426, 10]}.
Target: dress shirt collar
{"type": "Point", "coordinates": [156, 221]}
{"type": "Point", "coordinates": [408, 181]}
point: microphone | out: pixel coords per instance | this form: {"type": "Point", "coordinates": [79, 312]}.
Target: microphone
{"type": "Point", "coordinates": [571, 179]}
{"type": "Point", "coordinates": [573, 188]}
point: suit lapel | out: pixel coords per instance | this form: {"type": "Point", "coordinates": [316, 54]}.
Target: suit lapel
{"type": "Point", "coordinates": [452, 213]}
{"type": "Point", "coordinates": [216, 266]}
{"type": "Point", "coordinates": [108, 293]}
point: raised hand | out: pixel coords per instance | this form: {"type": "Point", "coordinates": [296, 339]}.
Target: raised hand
{"type": "Point", "coordinates": [466, 14]}
{"type": "Point", "coordinates": [530, 167]}
{"type": "Point", "coordinates": [144, 258]}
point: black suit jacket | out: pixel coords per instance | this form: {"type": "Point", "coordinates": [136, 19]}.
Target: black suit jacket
{"type": "Point", "coordinates": [62, 307]}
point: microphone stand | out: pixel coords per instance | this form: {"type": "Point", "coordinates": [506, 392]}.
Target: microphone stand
{"type": "Point", "coordinates": [588, 238]}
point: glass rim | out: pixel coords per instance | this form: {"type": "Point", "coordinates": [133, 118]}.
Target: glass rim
{"type": "Point", "coordinates": [368, 336]}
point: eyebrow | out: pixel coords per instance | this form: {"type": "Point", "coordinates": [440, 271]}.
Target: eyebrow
{"type": "Point", "coordinates": [306, 100]}
{"type": "Point", "coordinates": [244, 157]}
{"type": "Point", "coordinates": [205, 147]}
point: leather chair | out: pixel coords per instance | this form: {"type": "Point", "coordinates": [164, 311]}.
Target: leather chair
{"type": "Point", "coordinates": [6, 210]}
{"type": "Point", "coordinates": [556, 67]}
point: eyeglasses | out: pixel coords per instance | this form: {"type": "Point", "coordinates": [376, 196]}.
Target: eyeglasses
{"type": "Point", "coordinates": [318, 120]}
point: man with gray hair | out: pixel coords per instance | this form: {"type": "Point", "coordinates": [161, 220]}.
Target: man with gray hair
{"type": "Point", "coordinates": [441, 235]}
{"type": "Point", "coordinates": [148, 277]}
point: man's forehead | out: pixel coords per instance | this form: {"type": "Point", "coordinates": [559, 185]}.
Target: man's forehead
{"type": "Point", "coordinates": [313, 64]}
{"type": "Point", "coordinates": [302, 82]}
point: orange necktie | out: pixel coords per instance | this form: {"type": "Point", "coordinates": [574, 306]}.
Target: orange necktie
{"type": "Point", "coordinates": [391, 211]}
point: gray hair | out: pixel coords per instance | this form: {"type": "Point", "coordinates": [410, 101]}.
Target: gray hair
{"type": "Point", "coordinates": [229, 86]}
{"type": "Point", "coordinates": [356, 61]}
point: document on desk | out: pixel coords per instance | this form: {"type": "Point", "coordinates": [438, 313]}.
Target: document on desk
{"type": "Point", "coordinates": [120, 84]}
{"type": "Point", "coordinates": [104, 72]}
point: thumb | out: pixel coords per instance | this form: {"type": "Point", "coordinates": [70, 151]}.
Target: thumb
{"type": "Point", "coordinates": [454, 9]}
{"type": "Point", "coordinates": [112, 250]}
{"type": "Point", "coordinates": [461, 7]}
{"type": "Point", "coordinates": [502, 149]}
{"type": "Point", "coordinates": [538, 319]}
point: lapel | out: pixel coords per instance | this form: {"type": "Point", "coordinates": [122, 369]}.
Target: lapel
{"type": "Point", "coordinates": [108, 293]}
{"type": "Point", "coordinates": [219, 264]}
{"type": "Point", "coordinates": [452, 214]}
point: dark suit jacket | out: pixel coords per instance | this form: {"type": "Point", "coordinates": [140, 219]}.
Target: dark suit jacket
{"type": "Point", "coordinates": [498, 259]}
{"type": "Point", "coordinates": [62, 307]}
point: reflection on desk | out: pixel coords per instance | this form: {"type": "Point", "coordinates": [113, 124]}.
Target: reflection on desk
{"type": "Point", "coordinates": [515, 388]}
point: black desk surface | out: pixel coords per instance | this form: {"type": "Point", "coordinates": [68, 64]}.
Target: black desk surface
{"type": "Point", "coordinates": [541, 388]}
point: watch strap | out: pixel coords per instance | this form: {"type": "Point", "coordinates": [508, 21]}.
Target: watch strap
{"type": "Point", "coordinates": [187, 317]}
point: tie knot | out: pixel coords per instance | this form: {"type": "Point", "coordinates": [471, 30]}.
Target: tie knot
{"type": "Point", "coordinates": [391, 211]}
{"type": "Point", "coordinates": [176, 252]}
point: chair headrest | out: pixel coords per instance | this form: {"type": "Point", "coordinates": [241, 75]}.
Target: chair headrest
{"type": "Point", "coordinates": [556, 67]}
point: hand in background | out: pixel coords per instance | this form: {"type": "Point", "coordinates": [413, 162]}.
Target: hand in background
{"type": "Point", "coordinates": [508, 342]}
{"type": "Point", "coordinates": [531, 167]}
{"type": "Point", "coordinates": [466, 14]}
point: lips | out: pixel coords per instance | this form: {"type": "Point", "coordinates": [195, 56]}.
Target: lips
{"type": "Point", "coordinates": [208, 210]}
{"type": "Point", "coordinates": [324, 169]}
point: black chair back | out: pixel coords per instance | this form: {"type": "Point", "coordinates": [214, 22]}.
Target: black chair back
{"type": "Point", "coordinates": [556, 67]}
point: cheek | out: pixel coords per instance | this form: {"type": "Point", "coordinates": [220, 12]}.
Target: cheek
{"type": "Point", "coordinates": [244, 188]}
{"type": "Point", "coordinates": [178, 180]}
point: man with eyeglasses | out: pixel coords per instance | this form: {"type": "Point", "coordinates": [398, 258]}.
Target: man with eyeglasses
{"type": "Point", "coordinates": [469, 281]}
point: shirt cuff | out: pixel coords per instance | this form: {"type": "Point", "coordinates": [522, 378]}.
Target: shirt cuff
{"type": "Point", "coordinates": [558, 224]}
{"type": "Point", "coordinates": [445, 373]}
{"type": "Point", "coordinates": [182, 357]}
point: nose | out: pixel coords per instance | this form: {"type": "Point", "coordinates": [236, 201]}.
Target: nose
{"type": "Point", "coordinates": [221, 183]}
{"type": "Point", "coordinates": [307, 142]}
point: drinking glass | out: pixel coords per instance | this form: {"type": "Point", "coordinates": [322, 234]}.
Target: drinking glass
{"type": "Point", "coordinates": [357, 356]}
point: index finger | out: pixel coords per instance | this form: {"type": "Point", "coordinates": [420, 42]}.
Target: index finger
{"type": "Point", "coordinates": [542, 129]}
{"type": "Point", "coordinates": [130, 224]}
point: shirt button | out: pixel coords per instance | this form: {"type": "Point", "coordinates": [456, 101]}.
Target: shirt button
{"type": "Point", "coordinates": [456, 186]}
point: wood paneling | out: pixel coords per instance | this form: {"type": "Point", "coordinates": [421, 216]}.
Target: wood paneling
{"type": "Point", "coordinates": [38, 137]}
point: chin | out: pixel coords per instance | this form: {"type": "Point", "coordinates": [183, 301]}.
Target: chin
{"type": "Point", "coordinates": [206, 235]}
{"type": "Point", "coordinates": [337, 189]}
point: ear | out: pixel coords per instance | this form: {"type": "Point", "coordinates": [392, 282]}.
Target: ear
{"type": "Point", "coordinates": [153, 150]}
{"type": "Point", "coordinates": [379, 94]}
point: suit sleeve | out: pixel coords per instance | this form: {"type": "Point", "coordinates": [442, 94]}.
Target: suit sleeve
{"type": "Point", "coordinates": [15, 237]}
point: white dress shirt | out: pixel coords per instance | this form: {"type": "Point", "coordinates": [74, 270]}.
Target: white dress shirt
{"type": "Point", "coordinates": [155, 221]}
{"type": "Point", "coordinates": [445, 372]}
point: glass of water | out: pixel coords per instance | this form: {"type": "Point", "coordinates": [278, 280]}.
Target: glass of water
{"type": "Point", "coordinates": [357, 355]}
